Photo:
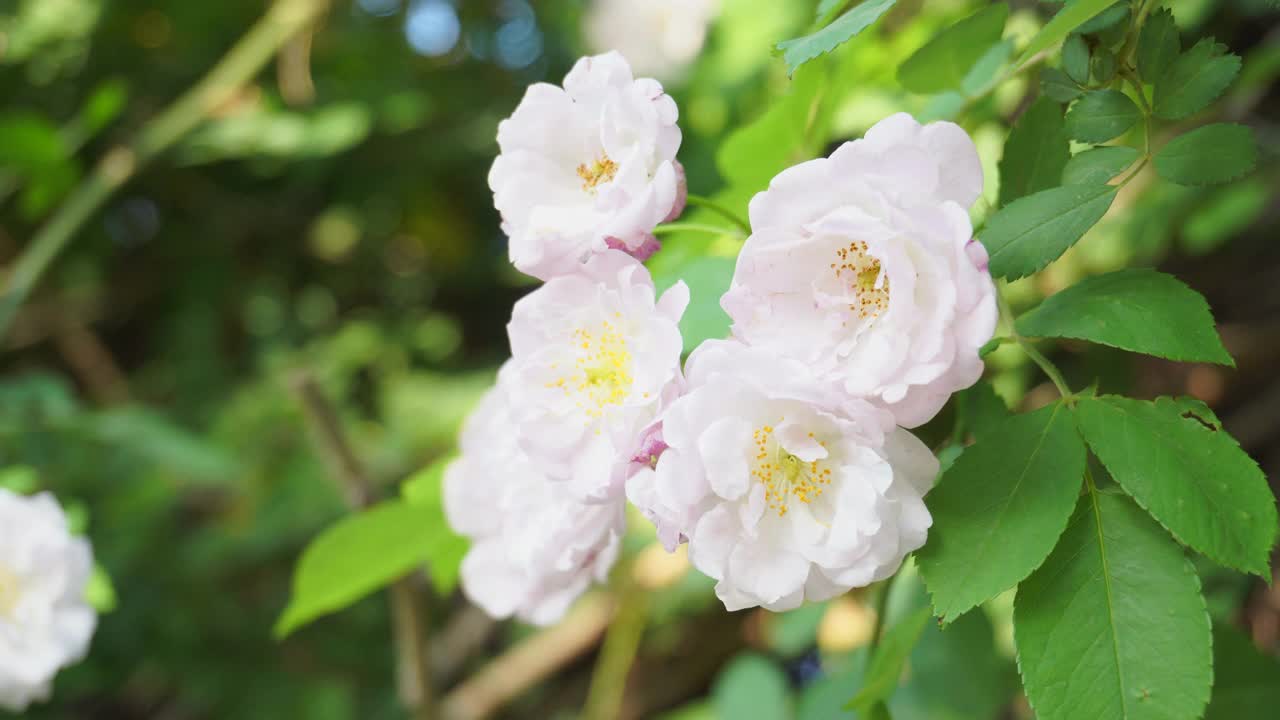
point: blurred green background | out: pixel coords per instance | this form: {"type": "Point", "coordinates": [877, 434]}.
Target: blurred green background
{"type": "Point", "coordinates": [334, 218]}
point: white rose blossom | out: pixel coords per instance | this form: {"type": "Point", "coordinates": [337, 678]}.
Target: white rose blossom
{"type": "Point", "coordinates": [45, 621]}
{"type": "Point", "coordinates": [784, 492]}
{"type": "Point", "coordinates": [587, 167]}
{"type": "Point", "coordinates": [594, 358]}
{"type": "Point", "coordinates": [863, 266]}
{"type": "Point", "coordinates": [535, 547]}
{"type": "Point", "coordinates": [659, 37]}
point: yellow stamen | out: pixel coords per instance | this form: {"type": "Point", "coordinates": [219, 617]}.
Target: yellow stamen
{"type": "Point", "coordinates": [600, 171]}
{"type": "Point", "coordinates": [865, 280]}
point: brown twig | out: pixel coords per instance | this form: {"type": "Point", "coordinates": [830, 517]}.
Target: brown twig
{"type": "Point", "coordinates": [532, 660]}
{"type": "Point", "coordinates": [408, 605]}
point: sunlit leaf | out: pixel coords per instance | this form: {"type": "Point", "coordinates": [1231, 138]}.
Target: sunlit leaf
{"type": "Point", "coordinates": [1033, 231]}
{"type": "Point", "coordinates": [803, 49]}
{"type": "Point", "coordinates": [943, 62]}
{"type": "Point", "coordinates": [1188, 473]}
{"type": "Point", "coordinates": [360, 554]}
{"type": "Point", "coordinates": [998, 511]}
{"type": "Point", "coordinates": [1135, 309]}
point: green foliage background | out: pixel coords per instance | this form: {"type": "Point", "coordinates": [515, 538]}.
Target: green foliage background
{"type": "Point", "coordinates": [349, 233]}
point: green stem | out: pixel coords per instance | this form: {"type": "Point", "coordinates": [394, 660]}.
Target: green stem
{"type": "Point", "coordinates": [284, 20]}
{"type": "Point", "coordinates": [695, 227]}
{"type": "Point", "coordinates": [621, 643]}
{"type": "Point", "coordinates": [1135, 32]}
{"type": "Point", "coordinates": [1050, 370]}
{"type": "Point", "coordinates": [713, 206]}
{"type": "Point", "coordinates": [881, 609]}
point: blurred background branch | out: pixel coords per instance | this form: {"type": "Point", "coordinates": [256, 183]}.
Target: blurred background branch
{"type": "Point", "coordinates": [407, 595]}
{"type": "Point", "coordinates": [283, 21]}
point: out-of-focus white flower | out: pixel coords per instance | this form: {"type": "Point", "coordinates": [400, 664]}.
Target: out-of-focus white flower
{"type": "Point", "coordinates": [535, 547]}
{"type": "Point", "coordinates": [587, 167]}
{"type": "Point", "coordinates": [784, 492]}
{"type": "Point", "coordinates": [863, 266]}
{"type": "Point", "coordinates": [594, 357]}
{"type": "Point", "coordinates": [45, 621]}
{"type": "Point", "coordinates": [659, 37]}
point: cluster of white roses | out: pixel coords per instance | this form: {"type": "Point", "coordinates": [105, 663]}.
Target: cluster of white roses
{"type": "Point", "coordinates": [45, 620]}
{"type": "Point", "coordinates": [859, 303]}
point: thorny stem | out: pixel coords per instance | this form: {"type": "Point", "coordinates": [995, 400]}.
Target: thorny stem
{"type": "Point", "coordinates": [284, 20]}
{"type": "Point", "coordinates": [713, 206]}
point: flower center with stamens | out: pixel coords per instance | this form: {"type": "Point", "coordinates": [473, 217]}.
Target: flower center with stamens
{"type": "Point", "coordinates": [9, 592]}
{"type": "Point", "coordinates": [600, 171]}
{"type": "Point", "coordinates": [784, 475]}
{"type": "Point", "coordinates": [601, 375]}
{"type": "Point", "coordinates": [861, 274]}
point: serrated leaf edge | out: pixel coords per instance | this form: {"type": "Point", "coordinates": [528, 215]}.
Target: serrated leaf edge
{"type": "Point", "coordinates": [1266, 575]}
{"type": "Point", "coordinates": [1187, 567]}
{"type": "Point", "coordinates": [942, 617]}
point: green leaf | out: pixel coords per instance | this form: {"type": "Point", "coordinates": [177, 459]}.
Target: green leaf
{"type": "Point", "coordinates": [1113, 626]}
{"type": "Point", "coordinates": [792, 633]}
{"type": "Point", "coordinates": [104, 105]}
{"type": "Point", "coordinates": [788, 132]}
{"type": "Point", "coordinates": [1098, 165]}
{"type": "Point", "coordinates": [981, 409]}
{"type": "Point", "coordinates": [956, 673]}
{"type": "Point", "coordinates": [1137, 309]}
{"type": "Point", "coordinates": [1188, 473]}
{"type": "Point", "coordinates": [882, 676]}
{"type": "Point", "coordinates": [1057, 86]}
{"type": "Point", "coordinates": [1068, 18]}
{"type": "Point", "coordinates": [708, 279]}
{"type": "Point", "coordinates": [1158, 45]}
{"type": "Point", "coordinates": [984, 72]}
{"type": "Point", "coordinates": [19, 479]}
{"type": "Point", "coordinates": [99, 592]}
{"type": "Point", "coordinates": [356, 556]}
{"type": "Point", "coordinates": [1101, 115]}
{"type": "Point", "coordinates": [1246, 683]}
{"type": "Point", "coordinates": [1035, 152]}
{"type": "Point", "coordinates": [1031, 232]}
{"type": "Point", "coordinates": [1103, 66]}
{"type": "Point", "coordinates": [444, 561]}
{"type": "Point", "coordinates": [1208, 155]}
{"type": "Point", "coordinates": [1075, 58]}
{"type": "Point", "coordinates": [1194, 80]}
{"type": "Point", "coordinates": [1105, 19]}
{"type": "Point", "coordinates": [752, 686]}
{"type": "Point", "coordinates": [803, 49]}
{"type": "Point", "coordinates": [999, 509]}
{"type": "Point", "coordinates": [825, 7]}
{"type": "Point", "coordinates": [943, 62]}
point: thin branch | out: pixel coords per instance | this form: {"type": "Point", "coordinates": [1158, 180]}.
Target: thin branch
{"type": "Point", "coordinates": [609, 679]}
{"type": "Point", "coordinates": [120, 164]}
{"type": "Point", "coordinates": [528, 663]}
{"type": "Point", "coordinates": [721, 210]}
{"type": "Point", "coordinates": [408, 601]}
